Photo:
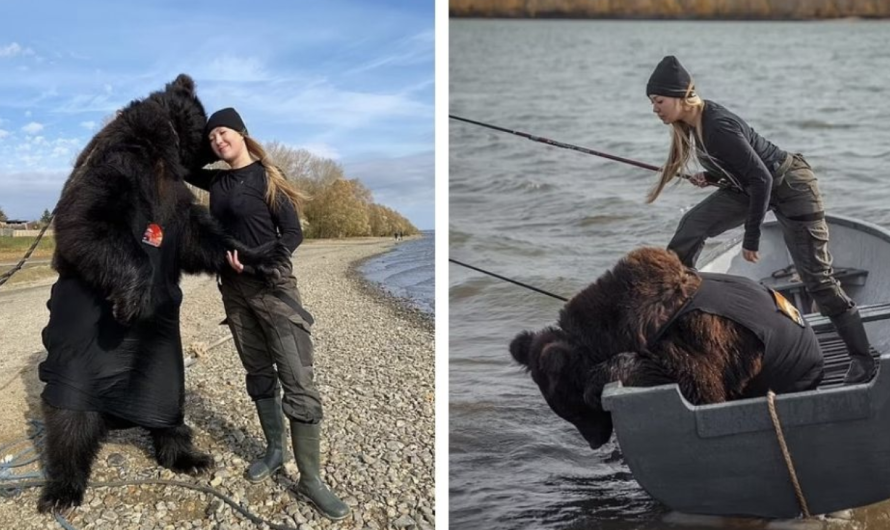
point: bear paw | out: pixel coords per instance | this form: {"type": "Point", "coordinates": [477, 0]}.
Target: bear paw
{"type": "Point", "coordinates": [132, 305]}
{"type": "Point", "coordinates": [190, 462]}
{"type": "Point", "coordinates": [59, 497]}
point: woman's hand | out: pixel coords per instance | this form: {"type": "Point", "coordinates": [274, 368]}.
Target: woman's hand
{"type": "Point", "coordinates": [698, 179]}
{"type": "Point", "coordinates": [751, 255]}
{"type": "Point", "coordinates": [232, 258]}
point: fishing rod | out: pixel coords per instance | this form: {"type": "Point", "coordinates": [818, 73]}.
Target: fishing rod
{"type": "Point", "coordinates": [498, 276]}
{"type": "Point", "coordinates": [578, 148]}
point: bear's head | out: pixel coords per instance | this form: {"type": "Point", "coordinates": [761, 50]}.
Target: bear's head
{"type": "Point", "coordinates": [627, 305]}
{"type": "Point", "coordinates": [567, 379]}
{"type": "Point", "coordinates": [187, 117]}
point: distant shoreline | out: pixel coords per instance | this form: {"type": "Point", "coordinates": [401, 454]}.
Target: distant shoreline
{"type": "Point", "coordinates": [578, 16]}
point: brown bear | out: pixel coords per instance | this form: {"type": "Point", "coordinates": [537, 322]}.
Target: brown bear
{"type": "Point", "coordinates": [126, 228]}
{"type": "Point", "coordinates": [652, 321]}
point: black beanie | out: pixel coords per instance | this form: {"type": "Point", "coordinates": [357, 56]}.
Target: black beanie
{"type": "Point", "coordinates": [227, 117]}
{"type": "Point", "coordinates": [669, 79]}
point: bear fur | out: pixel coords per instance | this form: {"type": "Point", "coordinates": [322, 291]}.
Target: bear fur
{"type": "Point", "coordinates": [126, 228]}
{"type": "Point", "coordinates": [603, 336]}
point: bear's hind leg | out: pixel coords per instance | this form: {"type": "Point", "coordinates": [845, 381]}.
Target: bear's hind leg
{"type": "Point", "coordinates": [73, 438]}
{"type": "Point", "coordinates": [174, 450]}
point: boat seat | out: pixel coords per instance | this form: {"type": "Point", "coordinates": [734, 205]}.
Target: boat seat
{"type": "Point", "coordinates": [787, 282]}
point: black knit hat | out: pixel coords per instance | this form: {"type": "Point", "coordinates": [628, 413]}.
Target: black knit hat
{"type": "Point", "coordinates": [669, 79]}
{"type": "Point", "coordinates": [227, 117]}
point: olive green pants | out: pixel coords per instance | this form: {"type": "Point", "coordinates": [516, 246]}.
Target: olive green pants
{"type": "Point", "coordinates": [271, 331]}
{"type": "Point", "coordinates": [797, 203]}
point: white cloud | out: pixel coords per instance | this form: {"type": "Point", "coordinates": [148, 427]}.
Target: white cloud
{"type": "Point", "coordinates": [329, 105]}
{"type": "Point", "coordinates": [321, 149]}
{"type": "Point", "coordinates": [14, 49]}
{"type": "Point", "coordinates": [414, 49]}
{"type": "Point", "coordinates": [3, 134]}
{"type": "Point", "coordinates": [229, 68]}
{"type": "Point", "coordinates": [60, 151]}
{"type": "Point", "coordinates": [408, 178]}
{"type": "Point", "coordinates": [32, 128]}
{"type": "Point", "coordinates": [38, 153]}
{"type": "Point", "coordinates": [88, 125]}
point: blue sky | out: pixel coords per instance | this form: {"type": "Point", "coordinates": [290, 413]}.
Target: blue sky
{"type": "Point", "coordinates": [346, 79]}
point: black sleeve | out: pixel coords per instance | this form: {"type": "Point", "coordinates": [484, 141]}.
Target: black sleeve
{"type": "Point", "coordinates": [732, 147]}
{"type": "Point", "coordinates": [201, 178]}
{"type": "Point", "coordinates": [286, 219]}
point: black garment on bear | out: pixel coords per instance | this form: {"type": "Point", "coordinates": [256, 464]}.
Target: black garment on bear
{"type": "Point", "coordinates": [792, 359]}
{"type": "Point", "coordinates": [95, 363]}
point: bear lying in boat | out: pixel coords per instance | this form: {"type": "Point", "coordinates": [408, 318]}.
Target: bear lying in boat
{"type": "Point", "coordinates": [652, 321]}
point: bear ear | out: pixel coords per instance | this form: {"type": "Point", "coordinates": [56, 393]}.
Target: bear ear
{"type": "Point", "coordinates": [520, 347]}
{"type": "Point", "coordinates": [183, 83]}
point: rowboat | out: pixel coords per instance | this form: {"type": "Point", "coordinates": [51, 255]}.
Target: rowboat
{"type": "Point", "coordinates": [727, 458]}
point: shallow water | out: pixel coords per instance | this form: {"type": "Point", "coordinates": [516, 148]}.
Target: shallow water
{"type": "Point", "coordinates": [407, 271]}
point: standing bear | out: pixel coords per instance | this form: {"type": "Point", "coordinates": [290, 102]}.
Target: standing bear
{"type": "Point", "coordinates": [126, 228]}
{"type": "Point", "coordinates": [652, 321]}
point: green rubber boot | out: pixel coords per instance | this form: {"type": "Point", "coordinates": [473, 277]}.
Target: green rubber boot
{"type": "Point", "coordinates": [272, 421]}
{"type": "Point", "coordinates": [305, 438]}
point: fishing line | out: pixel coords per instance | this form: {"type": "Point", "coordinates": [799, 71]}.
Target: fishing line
{"type": "Point", "coordinates": [578, 148]}
{"type": "Point", "coordinates": [498, 276]}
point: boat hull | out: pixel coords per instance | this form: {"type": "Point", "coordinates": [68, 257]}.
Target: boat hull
{"type": "Point", "coordinates": [726, 459]}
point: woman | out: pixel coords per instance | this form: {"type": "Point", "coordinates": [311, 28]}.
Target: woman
{"type": "Point", "coordinates": [760, 176]}
{"type": "Point", "coordinates": [270, 328]}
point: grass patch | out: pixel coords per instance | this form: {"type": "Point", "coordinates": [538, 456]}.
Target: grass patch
{"type": "Point", "coordinates": [13, 248]}
{"type": "Point", "coordinates": [28, 274]}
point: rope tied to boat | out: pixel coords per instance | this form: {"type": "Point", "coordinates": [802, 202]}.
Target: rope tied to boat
{"type": "Point", "coordinates": [801, 500]}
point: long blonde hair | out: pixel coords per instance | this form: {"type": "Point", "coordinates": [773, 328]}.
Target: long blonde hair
{"type": "Point", "coordinates": [276, 183]}
{"type": "Point", "coordinates": [682, 145]}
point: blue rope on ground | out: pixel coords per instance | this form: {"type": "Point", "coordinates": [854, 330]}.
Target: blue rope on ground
{"type": "Point", "coordinates": [63, 522]}
{"type": "Point", "coordinates": [20, 459]}
{"type": "Point", "coordinates": [12, 484]}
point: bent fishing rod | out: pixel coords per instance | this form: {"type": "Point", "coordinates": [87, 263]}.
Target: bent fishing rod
{"type": "Point", "coordinates": [563, 145]}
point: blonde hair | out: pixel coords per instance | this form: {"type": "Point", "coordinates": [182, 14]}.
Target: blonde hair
{"type": "Point", "coordinates": [276, 182]}
{"type": "Point", "coordinates": [682, 145]}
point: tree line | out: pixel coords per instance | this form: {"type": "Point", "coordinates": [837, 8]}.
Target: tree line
{"type": "Point", "coordinates": [338, 207]}
{"type": "Point", "coordinates": [673, 9]}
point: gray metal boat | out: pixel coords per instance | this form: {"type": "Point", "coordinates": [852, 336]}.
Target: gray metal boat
{"type": "Point", "coordinates": [726, 459]}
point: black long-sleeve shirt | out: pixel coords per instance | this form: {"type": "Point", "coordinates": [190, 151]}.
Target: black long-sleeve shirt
{"type": "Point", "coordinates": [733, 150]}
{"type": "Point", "coordinates": [238, 202]}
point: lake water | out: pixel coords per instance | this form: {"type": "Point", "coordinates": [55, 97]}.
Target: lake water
{"type": "Point", "coordinates": [407, 271]}
{"type": "Point", "coordinates": [557, 219]}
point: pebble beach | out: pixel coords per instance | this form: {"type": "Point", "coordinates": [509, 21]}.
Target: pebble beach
{"type": "Point", "coordinates": [374, 364]}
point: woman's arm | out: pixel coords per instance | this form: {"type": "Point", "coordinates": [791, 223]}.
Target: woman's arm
{"type": "Point", "coordinates": [287, 220]}
{"type": "Point", "coordinates": [733, 148]}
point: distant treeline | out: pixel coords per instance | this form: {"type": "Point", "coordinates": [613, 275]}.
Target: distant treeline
{"type": "Point", "coordinates": [673, 9]}
{"type": "Point", "coordinates": [338, 207]}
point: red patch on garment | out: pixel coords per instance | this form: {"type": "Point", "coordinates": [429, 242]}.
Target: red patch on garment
{"type": "Point", "coordinates": [153, 235]}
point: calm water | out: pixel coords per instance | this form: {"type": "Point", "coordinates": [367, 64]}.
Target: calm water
{"type": "Point", "coordinates": [407, 271]}
{"type": "Point", "coordinates": [556, 219]}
